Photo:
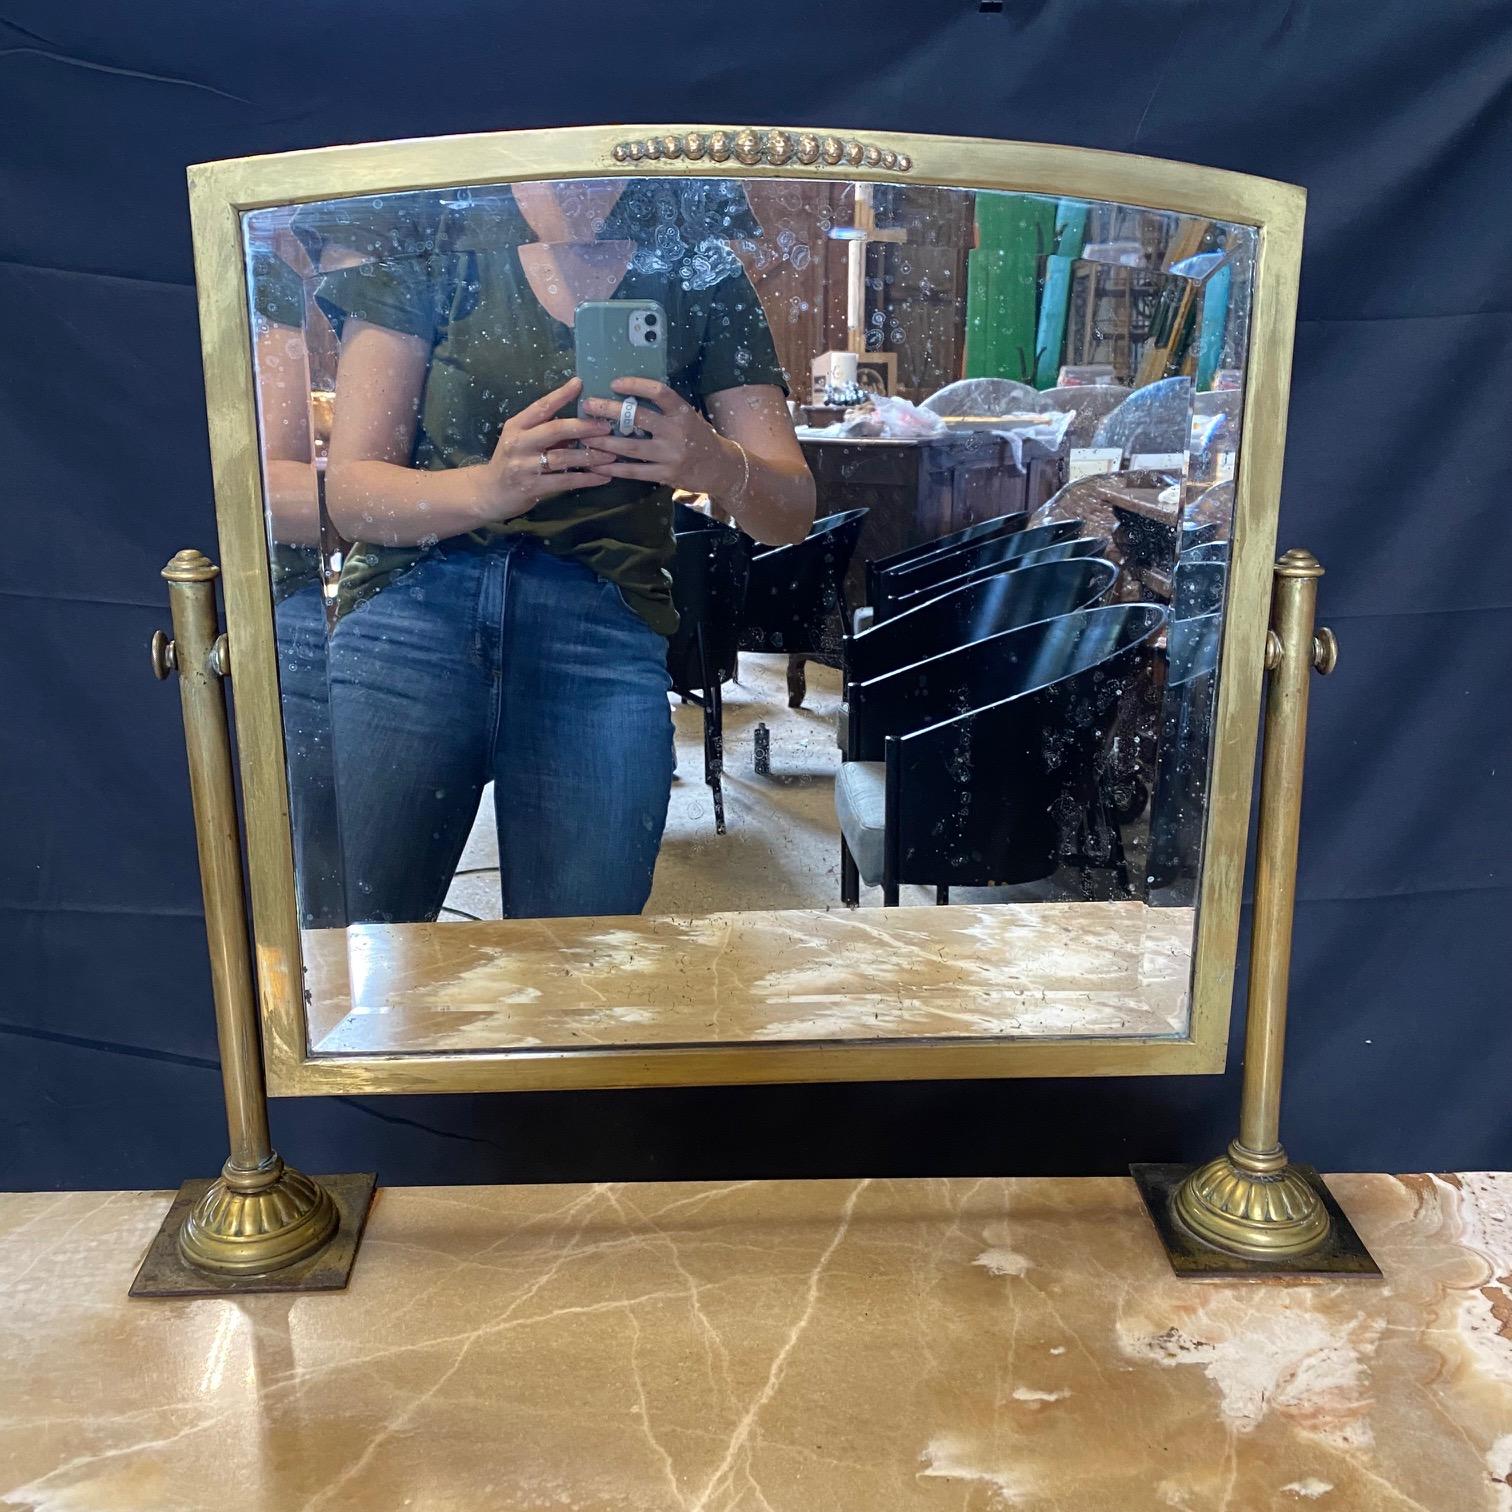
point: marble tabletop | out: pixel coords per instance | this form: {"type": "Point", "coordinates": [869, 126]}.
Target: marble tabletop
{"type": "Point", "coordinates": [964, 1344]}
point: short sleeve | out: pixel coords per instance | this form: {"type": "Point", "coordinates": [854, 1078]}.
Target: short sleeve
{"type": "Point", "coordinates": [738, 348]}
{"type": "Point", "coordinates": [399, 284]}
{"type": "Point", "coordinates": [277, 290]}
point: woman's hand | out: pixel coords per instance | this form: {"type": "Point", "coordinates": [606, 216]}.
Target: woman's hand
{"type": "Point", "coordinates": [683, 450]}
{"type": "Point", "coordinates": [535, 457]}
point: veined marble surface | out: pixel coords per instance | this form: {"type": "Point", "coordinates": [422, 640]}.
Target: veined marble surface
{"type": "Point", "coordinates": [1015, 969]}
{"type": "Point", "coordinates": [963, 1345]}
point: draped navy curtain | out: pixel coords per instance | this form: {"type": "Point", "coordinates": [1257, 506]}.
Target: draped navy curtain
{"type": "Point", "coordinates": [1397, 117]}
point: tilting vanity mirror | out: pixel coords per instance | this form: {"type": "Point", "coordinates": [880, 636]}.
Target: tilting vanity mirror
{"type": "Point", "coordinates": [730, 605]}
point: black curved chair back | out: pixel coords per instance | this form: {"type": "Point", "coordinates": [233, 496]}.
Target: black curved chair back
{"type": "Point", "coordinates": [983, 530]}
{"type": "Point", "coordinates": [1179, 804]}
{"type": "Point", "coordinates": [1061, 551]}
{"type": "Point", "coordinates": [1006, 600]}
{"type": "Point", "coordinates": [1197, 588]}
{"type": "Point", "coordinates": [938, 566]}
{"type": "Point", "coordinates": [795, 596]}
{"type": "Point", "coordinates": [1208, 551]}
{"type": "Point", "coordinates": [709, 572]}
{"type": "Point", "coordinates": [1196, 535]}
{"type": "Point", "coordinates": [1010, 789]}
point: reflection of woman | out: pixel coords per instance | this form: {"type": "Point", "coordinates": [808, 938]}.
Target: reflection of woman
{"type": "Point", "coordinates": [283, 402]}
{"type": "Point", "coordinates": [506, 618]}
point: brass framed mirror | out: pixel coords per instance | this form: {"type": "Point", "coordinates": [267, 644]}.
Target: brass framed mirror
{"type": "Point", "coordinates": [874, 698]}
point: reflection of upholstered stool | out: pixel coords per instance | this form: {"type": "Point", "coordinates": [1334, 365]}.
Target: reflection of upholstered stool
{"type": "Point", "coordinates": [862, 619]}
{"type": "Point", "coordinates": [842, 727]}
{"type": "Point", "coordinates": [861, 807]}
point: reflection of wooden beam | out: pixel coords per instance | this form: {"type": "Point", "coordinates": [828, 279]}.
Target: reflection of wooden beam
{"type": "Point", "coordinates": [1157, 360]}
{"type": "Point", "coordinates": [865, 222]}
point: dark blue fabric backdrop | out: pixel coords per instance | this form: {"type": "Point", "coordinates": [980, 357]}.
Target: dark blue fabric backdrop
{"type": "Point", "coordinates": [1397, 117]}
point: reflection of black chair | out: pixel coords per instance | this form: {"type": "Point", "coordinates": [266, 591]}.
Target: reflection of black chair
{"type": "Point", "coordinates": [983, 530]}
{"type": "Point", "coordinates": [709, 573]}
{"type": "Point", "coordinates": [1004, 601]}
{"type": "Point", "coordinates": [912, 577]}
{"type": "Point", "coordinates": [984, 765]}
{"type": "Point", "coordinates": [1181, 772]}
{"type": "Point", "coordinates": [795, 597]}
{"type": "Point", "coordinates": [1208, 551]}
{"type": "Point", "coordinates": [1197, 587]}
{"type": "Point", "coordinates": [1061, 551]}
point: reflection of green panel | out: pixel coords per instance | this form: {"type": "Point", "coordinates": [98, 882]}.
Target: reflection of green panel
{"type": "Point", "coordinates": [1052, 321]}
{"type": "Point", "coordinates": [1050, 337]}
{"type": "Point", "coordinates": [1014, 231]}
{"type": "Point", "coordinates": [1215, 305]}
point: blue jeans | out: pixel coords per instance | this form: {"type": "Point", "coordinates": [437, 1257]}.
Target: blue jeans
{"type": "Point", "coordinates": [306, 698]}
{"type": "Point", "coordinates": [503, 664]}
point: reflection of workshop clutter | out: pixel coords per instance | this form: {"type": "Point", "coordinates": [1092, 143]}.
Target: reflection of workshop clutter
{"type": "Point", "coordinates": [869, 372]}
{"type": "Point", "coordinates": [832, 370]}
{"type": "Point", "coordinates": [1086, 375]}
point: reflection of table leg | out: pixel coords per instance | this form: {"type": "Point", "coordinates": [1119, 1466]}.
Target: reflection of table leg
{"type": "Point", "coordinates": [797, 678]}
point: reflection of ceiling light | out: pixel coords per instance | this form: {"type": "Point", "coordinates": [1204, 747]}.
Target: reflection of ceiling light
{"type": "Point", "coordinates": [857, 233]}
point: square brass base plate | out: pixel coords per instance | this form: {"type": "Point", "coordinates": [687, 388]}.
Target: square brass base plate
{"type": "Point", "coordinates": [165, 1273]}
{"type": "Point", "coordinates": [1341, 1254]}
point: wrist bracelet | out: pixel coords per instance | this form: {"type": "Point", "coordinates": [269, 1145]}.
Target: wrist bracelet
{"type": "Point", "coordinates": [745, 462]}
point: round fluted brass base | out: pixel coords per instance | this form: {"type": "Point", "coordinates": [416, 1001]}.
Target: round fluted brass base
{"type": "Point", "coordinates": [250, 1223]}
{"type": "Point", "coordinates": [1266, 1214]}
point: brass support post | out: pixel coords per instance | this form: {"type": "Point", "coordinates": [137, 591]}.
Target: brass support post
{"type": "Point", "coordinates": [1251, 1204]}
{"type": "Point", "coordinates": [260, 1215]}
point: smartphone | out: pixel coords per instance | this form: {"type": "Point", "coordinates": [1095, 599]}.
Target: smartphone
{"type": "Point", "coordinates": [619, 338]}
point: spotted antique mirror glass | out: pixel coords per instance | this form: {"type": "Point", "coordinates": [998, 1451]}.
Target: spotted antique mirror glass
{"type": "Point", "coordinates": [718, 610]}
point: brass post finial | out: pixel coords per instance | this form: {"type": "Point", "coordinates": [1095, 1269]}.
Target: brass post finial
{"type": "Point", "coordinates": [1299, 562]}
{"type": "Point", "coordinates": [191, 566]}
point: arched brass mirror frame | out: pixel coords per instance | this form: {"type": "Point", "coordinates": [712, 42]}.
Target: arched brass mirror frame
{"type": "Point", "coordinates": [220, 193]}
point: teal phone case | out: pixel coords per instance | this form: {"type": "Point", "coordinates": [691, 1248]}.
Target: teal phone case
{"type": "Point", "coordinates": [605, 350]}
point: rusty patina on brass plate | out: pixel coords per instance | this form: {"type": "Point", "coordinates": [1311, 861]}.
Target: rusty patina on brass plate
{"type": "Point", "coordinates": [1341, 1254]}
{"type": "Point", "coordinates": [165, 1273]}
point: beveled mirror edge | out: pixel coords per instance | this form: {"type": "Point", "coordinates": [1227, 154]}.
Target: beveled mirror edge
{"type": "Point", "coordinates": [221, 192]}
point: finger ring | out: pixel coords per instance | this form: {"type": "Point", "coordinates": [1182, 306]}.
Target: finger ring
{"type": "Point", "coordinates": [627, 418]}
{"type": "Point", "coordinates": [545, 463]}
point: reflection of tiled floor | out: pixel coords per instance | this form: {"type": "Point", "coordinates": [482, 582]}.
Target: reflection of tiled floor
{"type": "Point", "coordinates": [781, 848]}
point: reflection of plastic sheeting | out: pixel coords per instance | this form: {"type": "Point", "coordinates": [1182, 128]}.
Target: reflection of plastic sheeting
{"type": "Point", "coordinates": [983, 397]}
{"type": "Point", "coordinates": [992, 401]}
{"type": "Point", "coordinates": [1050, 429]}
{"type": "Point", "coordinates": [1153, 419]}
{"type": "Point", "coordinates": [1204, 428]}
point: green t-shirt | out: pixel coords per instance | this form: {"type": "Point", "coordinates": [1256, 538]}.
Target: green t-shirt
{"type": "Point", "coordinates": [450, 274]}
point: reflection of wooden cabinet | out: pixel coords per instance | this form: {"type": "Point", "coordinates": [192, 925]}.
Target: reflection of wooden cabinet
{"type": "Point", "coordinates": [917, 490]}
